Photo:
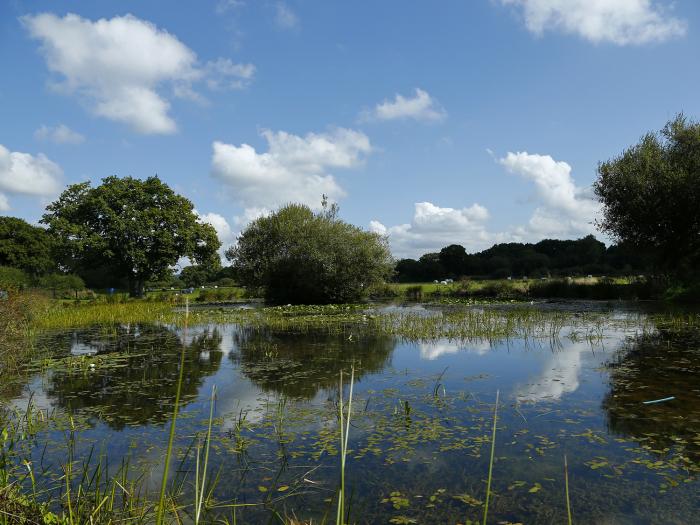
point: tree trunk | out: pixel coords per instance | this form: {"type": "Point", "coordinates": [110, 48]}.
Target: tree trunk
{"type": "Point", "coordinates": [136, 287]}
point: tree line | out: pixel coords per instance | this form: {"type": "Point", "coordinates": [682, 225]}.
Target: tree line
{"type": "Point", "coordinates": [547, 258]}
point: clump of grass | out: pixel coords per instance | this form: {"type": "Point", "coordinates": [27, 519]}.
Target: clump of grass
{"type": "Point", "coordinates": [414, 293]}
{"type": "Point", "coordinates": [74, 316]}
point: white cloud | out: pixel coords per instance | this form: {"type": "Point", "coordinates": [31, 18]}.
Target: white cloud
{"type": "Point", "coordinates": [433, 228]}
{"type": "Point", "coordinates": [622, 22]}
{"type": "Point", "coordinates": [118, 66]}
{"type": "Point", "coordinates": [285, 18]}
{"type": "Point", "coordinates": [421, 107]}
{"type": "Point", "coordinates": [224, 6]}
{"type": "Point", "coordinates": [294, 168]}
{"type": "Point", "coordinates": [564, 209]}
{"type": "Point", "coordinates": [226, 74]}
{"type": "Point", "coordinates": [223, 230]}
{"type": "Point", "coordinates": [60, 134]}
{"type": "Point", "coordinates": [22, 173]}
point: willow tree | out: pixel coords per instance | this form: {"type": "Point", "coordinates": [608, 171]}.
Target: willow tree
{"type": "Point", "coordinates": [138, 229]}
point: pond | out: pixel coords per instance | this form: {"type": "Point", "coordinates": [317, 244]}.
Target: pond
{"type": "Point", "coordinates": [573, 386]}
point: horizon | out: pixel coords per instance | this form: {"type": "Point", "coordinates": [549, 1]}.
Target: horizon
{"type": "Point", "coordinates": [478, 124]}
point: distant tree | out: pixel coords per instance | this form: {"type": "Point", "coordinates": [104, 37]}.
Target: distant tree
{"type": "Point", "coordinates": [408, 270]}
{"type": "Point", "coordinates": [431, 267]}
{"type": "Point", "coordinates": [298, 256]}
{"type": "Point", "coordinates": [453, 259]}
{"type": "Point", "coordinates": [25, 246]}
{"type": "Point", "coordinates": [138, 229]}
{"type": "Point", "coordinates": [651, 196]}
{"type": "Point", "coordinates": [200, 274]}
{"type": "Point", "coordinates": [62, 283]}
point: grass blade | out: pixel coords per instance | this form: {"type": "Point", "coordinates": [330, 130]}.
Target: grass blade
{"type": "Point", "coordinates": [493, 448]}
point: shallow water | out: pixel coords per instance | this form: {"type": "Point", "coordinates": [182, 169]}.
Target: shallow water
{"type": "Point", "coordinates": [421, 421]}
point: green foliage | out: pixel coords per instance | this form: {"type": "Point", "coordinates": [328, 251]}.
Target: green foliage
{"type": "Point", "coordinates": [62, 283]}
{"type": "Point", "coordinates": [135, 229]}
{"type": "Point", "coordinates": [298, 256]}
{"type": "Point", "coordinates": [13, 278]}
{"type": "Point", "coordinates": [651, 196]}
{"type": "Point", "coordinates": [25, 246]}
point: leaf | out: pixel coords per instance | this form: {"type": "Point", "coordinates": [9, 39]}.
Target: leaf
{"type": "Point", "coordinates": [535, 488]}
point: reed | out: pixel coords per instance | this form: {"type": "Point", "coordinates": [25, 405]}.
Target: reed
{"type": "Point", "coordinates": [493, 449]}
{"type": "Point", "coordinates": [200, 485]}
{"type": "Point", "coordinates": [566, 485]}
{"type": "Point", "coordinates": [344, 433]}
{"type": "Point", "coordinates": [171, 437]}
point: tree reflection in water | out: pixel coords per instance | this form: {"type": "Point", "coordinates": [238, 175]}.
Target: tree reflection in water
{"type": "Point", "coordinates": [656, 366]}
{"type": "Point", "coordinates": [140, 387]}
{"type": "Point", "coordinates": [300, 365]}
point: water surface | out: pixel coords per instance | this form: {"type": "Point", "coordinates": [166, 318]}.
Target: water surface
{"type": "Point", "coordinates": [421, 421]}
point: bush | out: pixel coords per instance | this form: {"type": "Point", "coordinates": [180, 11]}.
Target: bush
{"type": "Point", "coordinates": [301, 257]}
{"type": "Point", "coordinates": [13, 278]}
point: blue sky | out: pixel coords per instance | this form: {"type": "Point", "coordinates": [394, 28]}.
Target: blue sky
{"type": "Point", "coordinates": [439, 122]}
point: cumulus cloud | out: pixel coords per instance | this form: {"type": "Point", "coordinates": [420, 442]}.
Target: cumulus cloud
{"type": "Point", "coordinates": [434, 227]}
{"type": "Point", "coordinates": [118, 67]}
{"type": "Point", "coordinates": [25, 174]}
{"type": "Point", "coordinates": [564, 209]}
{"type": "Point", "coordinates": [420, 107]}
{"type": "Point", "coordinates": [621, 22]}
{"type": "Point", "coordinates": [293, 169]}
{"type": "Point", "coordinates": [60, 134]}
{"type": "Point", "coordinates": [226, 234]}
{"type": "Point", "coordinates": [285, 18]}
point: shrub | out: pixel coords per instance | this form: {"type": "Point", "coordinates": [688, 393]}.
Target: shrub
{"type": "Point", "coordinates": [301, 257]}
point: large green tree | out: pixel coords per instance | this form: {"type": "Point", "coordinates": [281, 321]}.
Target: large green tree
{"type": "Point", "coordinates": [651, 196]}
{"type": "Point", "coordinates": [137, 229]}
{"type": "Point", "coordinates": [298, 256]}
{"type": "Point", "coordinates": [25, 246]}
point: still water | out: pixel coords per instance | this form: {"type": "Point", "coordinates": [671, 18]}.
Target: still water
{"type": "Point", "coordinates": [421, 419]}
